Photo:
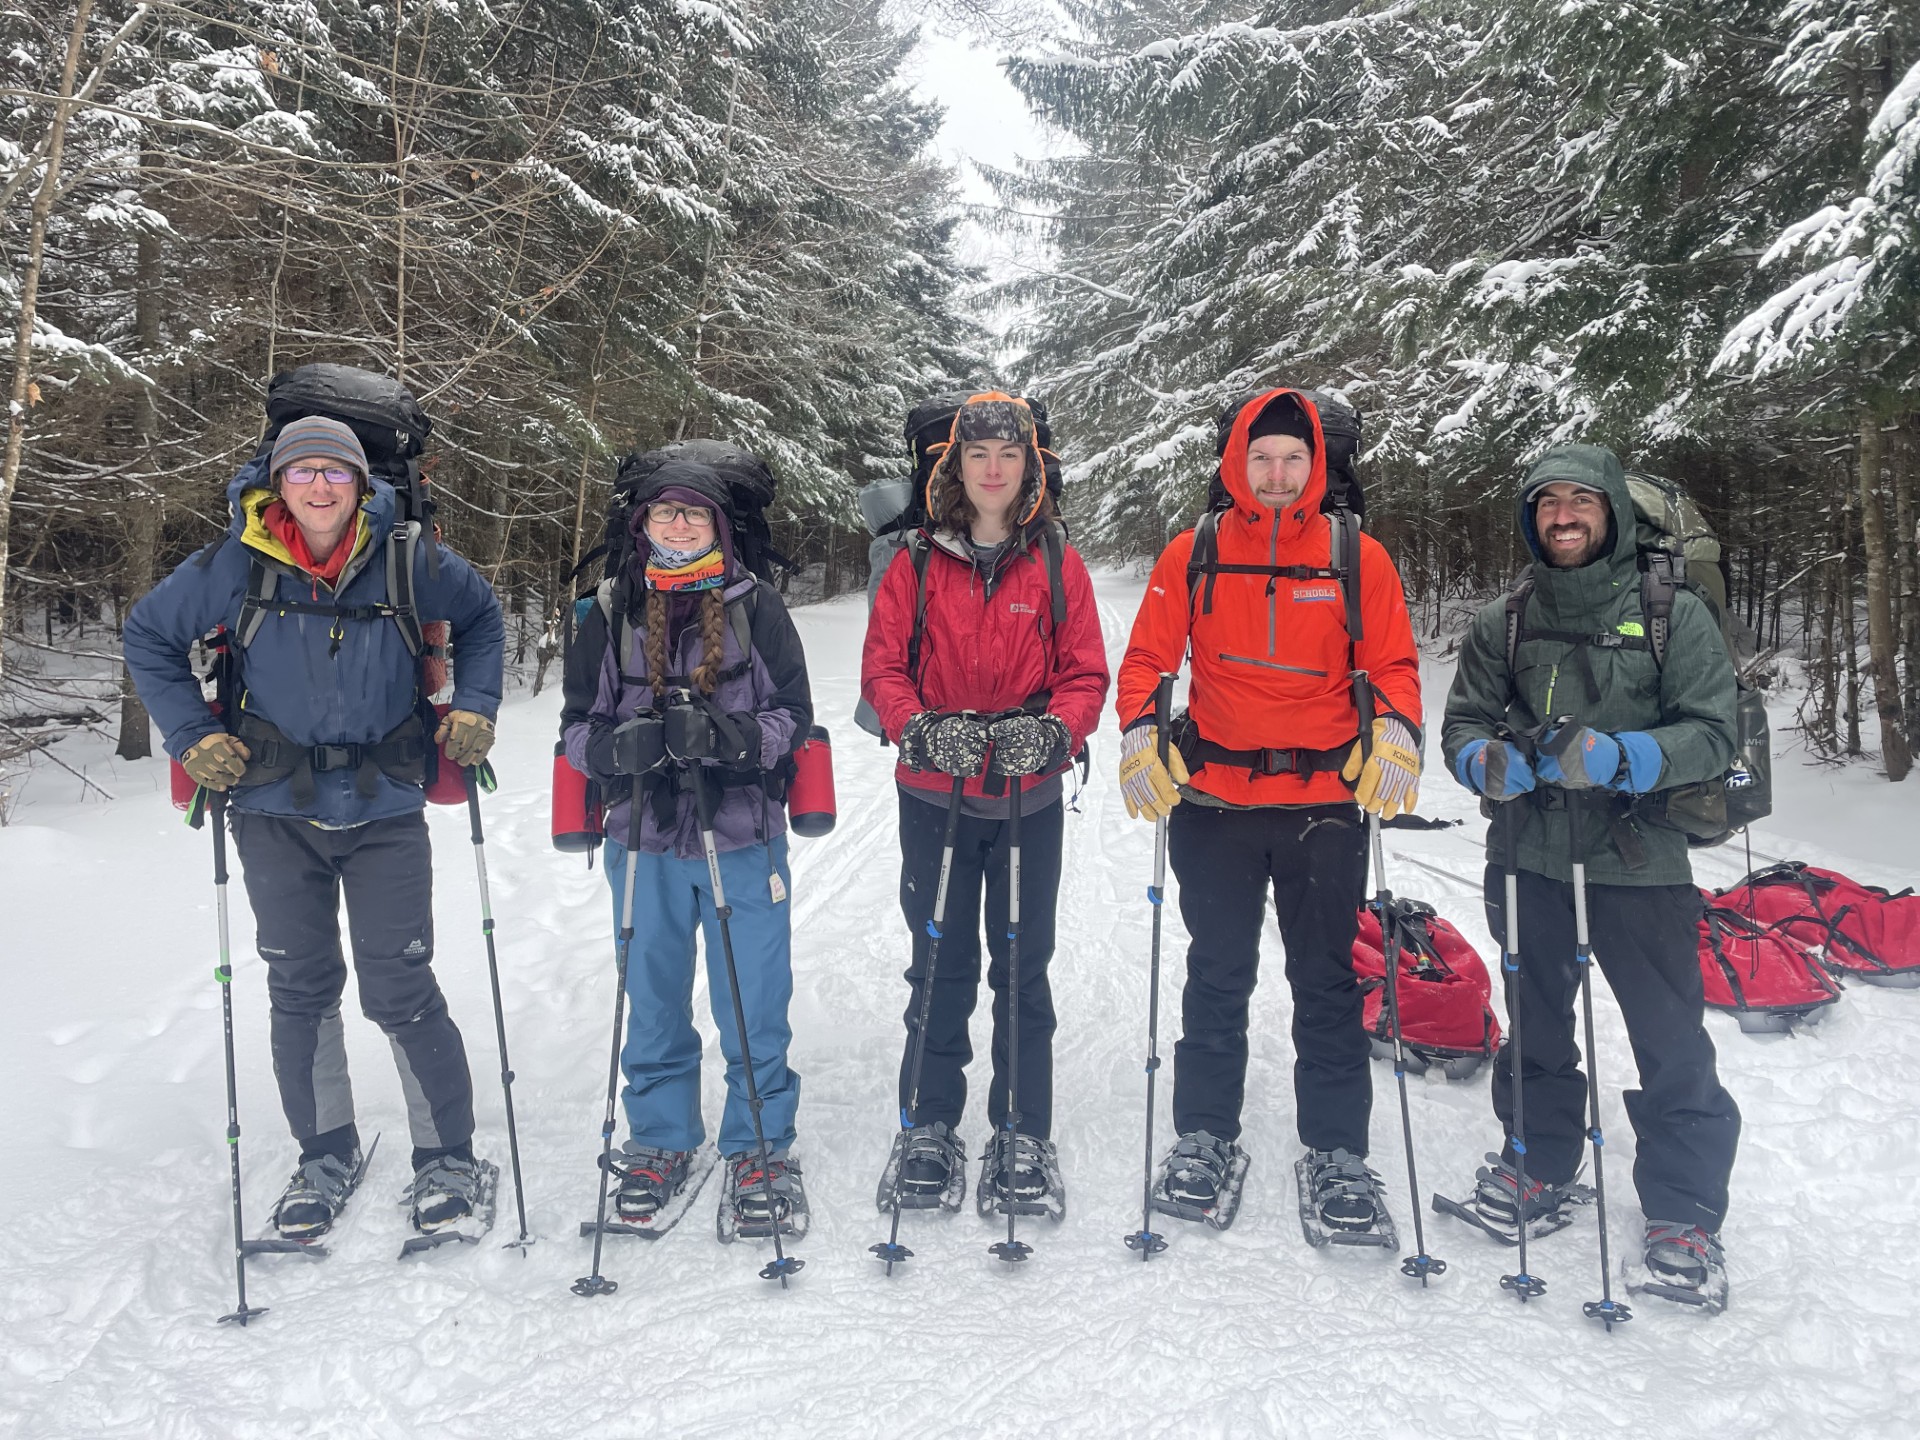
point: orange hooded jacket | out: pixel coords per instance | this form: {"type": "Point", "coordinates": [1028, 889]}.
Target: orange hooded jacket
{"type": "Point", "coordinates": [1270, 663]}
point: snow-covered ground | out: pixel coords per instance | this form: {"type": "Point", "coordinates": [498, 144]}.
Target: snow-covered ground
{"type": "Point", "coordinates": [114, 1258]}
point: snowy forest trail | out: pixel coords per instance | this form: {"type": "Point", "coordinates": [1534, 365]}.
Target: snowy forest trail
{"type": "Point", "coordinates": [114, 1249]}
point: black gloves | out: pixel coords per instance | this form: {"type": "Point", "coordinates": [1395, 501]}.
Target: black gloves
{"type": "Point", "coordinates": [955, 744]}
{"type": "Point", "coordinates": [697, 732]}
{"type": "Point", "coordinates": [633, 747]}
{"type": "Point", "coordinates": [1029, 744]}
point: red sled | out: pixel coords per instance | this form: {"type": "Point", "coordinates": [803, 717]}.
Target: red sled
{"type": "Point", "coordinates": [1855, 930]}
{"type": "Point", "coordinates": [1766, 981]}
{"type": "Point", "coordinates": [1444, 991]}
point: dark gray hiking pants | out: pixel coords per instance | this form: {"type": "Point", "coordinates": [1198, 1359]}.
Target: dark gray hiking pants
{"type": "Point", "coordinates": [295, 872]}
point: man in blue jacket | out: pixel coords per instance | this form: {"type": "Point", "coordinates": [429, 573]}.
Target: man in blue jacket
{"type": "Point", "coordinates": [324, 748]}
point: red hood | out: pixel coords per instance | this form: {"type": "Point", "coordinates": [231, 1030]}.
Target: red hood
{"type": "Point", "coordinates": [1233, 467]}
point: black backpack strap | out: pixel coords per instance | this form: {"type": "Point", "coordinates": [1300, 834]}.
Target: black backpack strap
{"type": "Point", "coordinates": [261, 582]}
{"type": "Point", "coordinates": [403, 541]}
{"type": "Point", "coordinates": [1345, 563]}
{"type": "Point", "coordinates": [1658, 586]}
{"type": "Point", "coordinates": [919, 549]}
{"type": "Point", "coordinates": [1053, 543]}
{"type": "Point", "coordinates": [1516, 610]}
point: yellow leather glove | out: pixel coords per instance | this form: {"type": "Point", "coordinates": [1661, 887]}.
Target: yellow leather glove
{"type": "Point", "coordinates": [216, 761]}
{"type": "Point", "coordinates": [1387, 782]}
{"type": "Point", "coordinates": [467, 737]}
{"type": "Point", "coordinates": [1149, 788]}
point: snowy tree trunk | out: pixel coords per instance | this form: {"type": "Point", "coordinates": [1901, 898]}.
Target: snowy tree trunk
{"type": "Point", "coordinates": [18, 395]}
{"type": "Point", "coordinates": [145, 502]}
{"type": "Point", "coordinates": [1883, 639]}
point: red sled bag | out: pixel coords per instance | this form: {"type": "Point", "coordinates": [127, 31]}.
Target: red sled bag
{"type": "Point", "coordinates": [1854, 929]}
{"type": "Point", "coordinates": [1443, 988]}
{"type": "Point", "coordinates": [1768, 982]}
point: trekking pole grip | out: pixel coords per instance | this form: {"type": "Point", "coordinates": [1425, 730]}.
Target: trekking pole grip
{"type": "Point", "coordinates": [1163, 713]}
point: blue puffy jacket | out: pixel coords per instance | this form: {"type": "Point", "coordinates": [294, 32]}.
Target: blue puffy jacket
{"type": "Point", "coordinates": [292, 674]}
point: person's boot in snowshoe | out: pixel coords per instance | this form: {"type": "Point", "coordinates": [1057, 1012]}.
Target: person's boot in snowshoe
{"type": "Point", "coordinates": [1341, 1201]}
{"type": "Point", "coordinates": [1200, 1180]}
{"type": "Point", "coordinates": [649, 1179]}
{"type": "Point", "coordinates": [747, 1209]}
{"type": "Point", "coordinates": [932, 1165]}
{"type": "Point", "coordinates": [1028, 1179]}
{"type": "Point", "coordinates": [445, 1191]}
{"type": "Point", "coordinates": [315, 1196]}
{"type": "Point", "coordinates": [1684, 1263]}
{"type": "Point", "coordinates": [1498, 1202]}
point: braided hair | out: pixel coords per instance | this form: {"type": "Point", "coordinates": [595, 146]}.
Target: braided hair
{"type": "Point", "coordinates": [713, 640]}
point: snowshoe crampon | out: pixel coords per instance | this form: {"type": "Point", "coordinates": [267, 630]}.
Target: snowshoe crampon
{"type": "Point", "coordinates": [1031, 1185]}
{"type": "Point", "coordinates": [435, 1188]}
{"type": "Point", "coordinates": [674, 1205]}
{"type": "Point", "coordinates": [755, 1203]}
{"type": "Point", "coordinates": [1682, 1264]}
{"type": "Point", "coordinates": [1342, 1202]}
{"type": "Point", "coordinates": [935, 1178]}
{"type": "Point", "coordinates": [1197, 1163]}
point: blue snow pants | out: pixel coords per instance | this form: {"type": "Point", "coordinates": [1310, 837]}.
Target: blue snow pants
{"type": "Point", "coordinates": [661, 1059]}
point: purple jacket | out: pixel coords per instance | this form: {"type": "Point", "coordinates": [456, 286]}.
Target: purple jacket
{"type": "Point", "coordinates": [771, 686]}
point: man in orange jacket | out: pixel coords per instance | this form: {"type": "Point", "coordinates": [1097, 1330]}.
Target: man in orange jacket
{"type": "Point", "coordinates": [1270, 760]}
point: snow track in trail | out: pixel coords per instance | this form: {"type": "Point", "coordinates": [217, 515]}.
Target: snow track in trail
{"type": "Point", "coordinates": [114, 1247]}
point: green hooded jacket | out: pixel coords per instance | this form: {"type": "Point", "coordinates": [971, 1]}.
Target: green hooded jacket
{"type": "Point", "coordinates": [1687, 705]}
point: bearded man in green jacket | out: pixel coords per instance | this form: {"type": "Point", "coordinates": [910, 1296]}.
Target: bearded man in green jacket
{"type": "Point", "coordinates": [1576, 704]}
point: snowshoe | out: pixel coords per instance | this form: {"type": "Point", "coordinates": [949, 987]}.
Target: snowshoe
{"type": "Point", "coordinates": [451, 1198]}
{"type": "Point", "coordinates": [1494, 1208]}
{"type": "Point", "coordinates": [1034, 1186]}
{"type": "Point", "coordinates": [747, 1211]}
{"type": "Point", "coordinates": [1683, 1264]}
{"type": "Point", "coordinates": [1201, 1179]}
{"type": "Point", "coordinates": [312, 1201]}
{"type": "Point", "coordinates": [1342, 1202]}
{"type": "Point", "coordinates": [656, 1189]}
{"type": "Point", "coordinates": [929, 1163]}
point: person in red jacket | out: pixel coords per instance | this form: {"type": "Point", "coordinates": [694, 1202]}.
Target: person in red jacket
{"type": "Point", "coordinates": [997, 692]}
{"type": "Point", "coordinates": [1268, 757]}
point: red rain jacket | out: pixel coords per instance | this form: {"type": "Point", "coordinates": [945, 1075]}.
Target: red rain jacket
{"type": "Point", "coordinates": [985, 646]}
{"type": "Point", "coordinates": [1270, 666]}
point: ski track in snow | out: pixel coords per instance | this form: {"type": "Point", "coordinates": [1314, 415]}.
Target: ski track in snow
{"type": "Point", "coordinates": [115, 1253]}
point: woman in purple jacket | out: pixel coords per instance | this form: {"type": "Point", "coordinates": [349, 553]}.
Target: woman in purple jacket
{"type": "Point", "coordinates": [686, 662]}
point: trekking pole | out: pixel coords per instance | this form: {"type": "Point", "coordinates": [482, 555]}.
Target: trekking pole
{"type": "Point", "coordinates": [1011, 1250]}
{"type": "Point", "coordinates": [1422, 1265]}
{"type": "Point", "coordinates": [1606, 1309]}
{"type": "Point", "coordinates": [242, 1312]}
{"type": "Point", "coordinates": [596, 1283]}
{"type": "Point", "coordinates": [1524, 1285]}
{"type": "Point", "coordinates": [472, 774]}
{"type": "Point", "coordinates": [782, 1264]}
{"type": "Point", "coordinates": [892, 1251]}
{"type": "Point", "coordinates": [1144, 1240]}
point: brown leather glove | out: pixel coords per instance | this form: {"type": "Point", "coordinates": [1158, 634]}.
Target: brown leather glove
{"type": "Point", "coordinates": [217, 761]}
{"type": "Point", "coordinates": [466, 737]}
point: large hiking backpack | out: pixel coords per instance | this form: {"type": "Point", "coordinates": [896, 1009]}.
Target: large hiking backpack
{"type": "Point", "coordinates": [1855, 929]}
{"type": "Point", "coordinates": [750, 488]}
{"type": "Point", "coordinates": [1766, 980]}
{"type": "Point", "coordinates": [895, 512]}
{"type": "Point", "coordinates": [1679, 551]}
{"type": "Point", "coordinates": [1444, 992]}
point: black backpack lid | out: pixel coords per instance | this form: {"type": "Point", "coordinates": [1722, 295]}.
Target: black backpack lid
{"type": "Point", "coordinates": [382, 412]}
{"type": "Point", "coordinates": [930, 422]}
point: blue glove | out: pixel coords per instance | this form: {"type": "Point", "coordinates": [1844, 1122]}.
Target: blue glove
{"type": "Point", "coordinates": [1643, 762]}
{"type": "Point", "coordinates": [1587, 761]}
{"type": "Point", "coordinates": [1497, 771]}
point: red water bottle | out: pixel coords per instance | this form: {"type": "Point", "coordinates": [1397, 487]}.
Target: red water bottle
{"type": "Point", "coordinates": [810, 804]}
{"type": "Point", "coordinates": [577, 822]}
{"type": "Point", "coordinates": [181, 784]}
{"type": "Point", "coordinates": [449, 784]}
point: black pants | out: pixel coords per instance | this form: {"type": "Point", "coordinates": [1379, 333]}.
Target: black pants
{"type": "Point", "coordinates": [295, 872]}
{"type": "Point", "coordinates": [980, 859]}
{"type": "Point", "coordinates": [1644, 938]}
{"type": "Point", "coordinates": [1315, 859]}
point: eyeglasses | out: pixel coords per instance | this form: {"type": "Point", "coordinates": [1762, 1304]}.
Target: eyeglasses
{"type": "Point", "coordinates": [307, 474]}
{"type": "Point", "coordinates": [663, 512]}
